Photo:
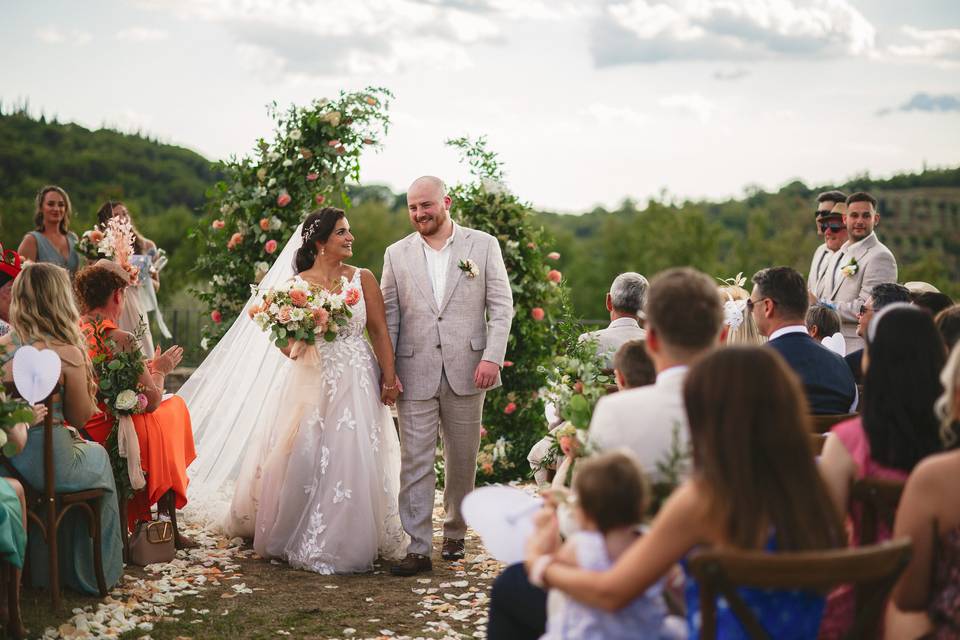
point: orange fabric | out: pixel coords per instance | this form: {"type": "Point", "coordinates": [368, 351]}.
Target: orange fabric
{"type": "Point", "coordinates": [166, 446]}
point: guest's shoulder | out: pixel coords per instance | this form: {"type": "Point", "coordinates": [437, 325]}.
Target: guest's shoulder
{"type": "Point", "coordinates": [632, 398]}
{"type": "Point", "coordinates": [849, 430]}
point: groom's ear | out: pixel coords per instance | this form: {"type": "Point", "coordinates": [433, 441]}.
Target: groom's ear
{"type": "Point", "coordinates": [447, 201]}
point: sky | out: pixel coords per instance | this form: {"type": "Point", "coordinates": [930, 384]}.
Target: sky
{"type": "Point", "coordinates": [587, 102]}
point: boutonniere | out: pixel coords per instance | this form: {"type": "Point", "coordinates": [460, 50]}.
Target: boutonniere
{"type": "Point", "coordinates": [469, 267]}
{"type": "Point", "coordinates": [850, 269]}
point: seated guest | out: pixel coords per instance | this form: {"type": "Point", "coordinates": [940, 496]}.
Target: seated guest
{"type": "Point", "coordinates": [610, 496]}
{"type": "Point", "coordinates": [931, 582]}
{"type": "Point", "coordinates": [754, 486]}
{"type": "Point", "coordinates": [897, 428]}
{"type": "Point", "coordinates": [684, 320]}
{"type": "Point", "coordinates": [884, 294]}
{"type": "Point", "coordinates": [741, 327]}
{"type": "Point", "coordinates": [625, 302]}
{"type": "Point", "coordinates": [948, 324]}
{"type": "Point", "coordinates": [932, 301]}
{"type": "Point", "coordinates": [821, 322]}
{"type": "Point", "coordinates": [779, 305]}
{"type": "Point", "coordinates": [52, 241]}
{"type": "Point", "coordinates": [163, 431]}
{"type": "Point", "coordinates": [43, 314]}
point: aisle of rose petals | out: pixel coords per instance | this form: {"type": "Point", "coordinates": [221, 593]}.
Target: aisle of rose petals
{"type": "Point", "coordinates": [450, 605]}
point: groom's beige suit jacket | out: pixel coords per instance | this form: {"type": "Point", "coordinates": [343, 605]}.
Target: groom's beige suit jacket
{"type": "Point", "coordinates": [472, 322]}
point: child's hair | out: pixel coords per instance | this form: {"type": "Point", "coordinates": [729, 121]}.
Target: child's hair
{"type": "Point", "coordinates": [611, 490]}
{"type": "Point", "coordinates": [825, 319]}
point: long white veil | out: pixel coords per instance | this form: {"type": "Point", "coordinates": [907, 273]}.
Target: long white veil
{"type": "Point", "coordinates": [233, 397]}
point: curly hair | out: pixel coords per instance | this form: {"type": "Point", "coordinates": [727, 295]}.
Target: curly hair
{"type": "Point", "coordinates": [94, 285]}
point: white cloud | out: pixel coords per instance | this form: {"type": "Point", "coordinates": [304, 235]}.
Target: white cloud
{"type": "Point", "coordinates": [625, 115]}
{"type": "Point", "coordinates": [646, 31]}
{"type": "Point", "coordinates": [56, 35]}
{"type": "Point", "coordinates": [936, 45]}
{"type": "Point", "coordinates": [142, 34]}
{"type": "Point", "coordinates": [691, 103]}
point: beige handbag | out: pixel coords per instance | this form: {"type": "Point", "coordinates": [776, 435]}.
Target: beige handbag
{"type": "Point", "coordinates": [152, 542]}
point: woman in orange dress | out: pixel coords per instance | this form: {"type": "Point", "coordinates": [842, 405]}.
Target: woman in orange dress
{"type": "Point", "coordinates": [163, 431]}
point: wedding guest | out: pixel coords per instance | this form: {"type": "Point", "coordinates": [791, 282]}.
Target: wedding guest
{"type": "Point", "coordinates": [741, 327]}
{"type": "Point", "coordinates": [43, 314]}
{"type": "Point", "coordinates": [821, 322]}
{"type": "Point", "coordinates": [831, 205]}
{"type": "Point", "coordinates": [610, 502]}
{"type": "Point", "coordinates": [754, 486]}
{"type": "Point", "coordinates": [625, 302]}
{"type": "Point", "coordinates": [896, 429]}
{"type": "Point", "coordinates": [52, 241]}
{"type": "Point", "coordinates": [948, 324]}
{"type": "Point", "coordinates": [859, 265]}
{"type": "Point", "coordinates": [684, 321]}
{"type": "Point", "coordinates": [929, 514]}
{"type": "Point", "coordinates": [779, 306]}
{"type": "Point", "coordinates": [883, 295]}
{"type": "Point", "coordinates": [10, 265]}
{"type": "Point", "coordinates": [932, 301]}
{"type": "Point", "coordinates": [163, 430]}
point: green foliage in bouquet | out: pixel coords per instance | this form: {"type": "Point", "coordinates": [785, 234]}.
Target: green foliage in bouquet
{"type": "Point", "coordinates": [12, 412]}
{"type": "Point", "coordinates": [253, 211]}
{"type": "Point", "coordinates": [513, 418]}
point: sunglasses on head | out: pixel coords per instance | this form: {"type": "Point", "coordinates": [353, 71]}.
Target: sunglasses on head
{"type": "Point", "coordinates": [833, 225]}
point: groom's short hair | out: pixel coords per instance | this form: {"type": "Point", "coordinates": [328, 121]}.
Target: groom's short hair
{"type": "Point", "coordinates": [684, 309]}
{"type": "Point", "coordinates": [434, 180]}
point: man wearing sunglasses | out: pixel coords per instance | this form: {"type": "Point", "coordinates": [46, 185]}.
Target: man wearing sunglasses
{"type": "Point", "coordinates": [830, 225]}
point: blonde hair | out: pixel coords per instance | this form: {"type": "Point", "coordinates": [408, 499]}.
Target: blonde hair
{"type": "Point", "coordinates": [42, 307]}
{"type": "Point", "coordinates": [38, 215]}
{"type": "Point", "coordinates": [747, 333]}
{"type": "Point", "coordinates": [945, 406]}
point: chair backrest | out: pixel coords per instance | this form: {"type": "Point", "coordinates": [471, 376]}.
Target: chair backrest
{"type": "Point", "coordinates": [879, 499]}
{"type": "Point", "coordinates": [873, 569]}
{"type": "Point", "coordinates": [823, 423]}
{"type": "Point", "coordinates": [817, 441]}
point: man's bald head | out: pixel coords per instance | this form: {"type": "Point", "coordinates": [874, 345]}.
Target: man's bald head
{"type": "Point", "coordinates": [429, 182]}
{"type": "Point", "coordinates": [428, 205]}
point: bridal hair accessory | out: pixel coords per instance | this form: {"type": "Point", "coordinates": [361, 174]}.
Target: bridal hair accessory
{"type": "Point", "coordinates": [733, 313]}
{"type": "Point", "coordinates": [736, 281]}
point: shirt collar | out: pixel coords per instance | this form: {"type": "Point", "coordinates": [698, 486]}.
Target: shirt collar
{"type": "Point", "coordinates": [670, 373]}
{"type": "Point", "coordinates": [782, 331]}
{"type": "Point", "coordinates": [853, 246]}
{"type": "Point", "coordinates": [446, 244]}
{"type": "Point", "coordinates": [624, 322]}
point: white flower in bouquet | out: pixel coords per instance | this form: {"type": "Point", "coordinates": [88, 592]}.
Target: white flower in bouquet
{"type": "Point", "coordinates": [274, 309]}
{"type": "Point", "coordinates": [262, 320]}
{"type": "Point", "coordinates": [297, 315]}
{"type": "Point", "coordinates": [126, 400]}
{"type": "Point", "coordinates": [300, 284]}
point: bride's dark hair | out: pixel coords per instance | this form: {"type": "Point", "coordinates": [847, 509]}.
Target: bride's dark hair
{"type": "Point", "coordinates": [316, 228]}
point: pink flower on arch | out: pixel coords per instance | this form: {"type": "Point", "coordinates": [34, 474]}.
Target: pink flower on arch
{"type": "Point", "coordinates": [510, 408]}
{"type": "Point", "coordinates": [554, 276]}
{"type": "Point", "coordinates": [507, 363]}
{"type": "Point", "coordinates": [265, 224]}
{"type": "Point", "coordinates": [333, 143]}
{"type": "Point", "coordinates": [270, 246]}
{"type": "Point", "coordinates": [235, 239]}
{"type": "Point", "coordinates": [553, 255]}
{"type": "Point", "coordinates": [319, 198]}
{"type": "Point", "coordinates": [216, 316]}
{"type": "Point", "coordinates": [313, 175]}
{"type": "Point", "coordinates": [218, 224]}
{"type": "Point", "coordinates": [537, 313]}
{"type": "Point", "coordinates": [283, 199]}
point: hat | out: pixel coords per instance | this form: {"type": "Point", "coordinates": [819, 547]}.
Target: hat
{"type": "Point", "coordinates": [839, 209]}
{"type": "Point", "coordinates": [113, 267]}
{"type": "Point", "coordinates": [10, 264]}
{"type": "Point", "coordinates": [921, 287]}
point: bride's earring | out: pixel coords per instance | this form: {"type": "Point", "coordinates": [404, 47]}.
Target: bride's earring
{"type": "Point", "coordinates": [321, 251]}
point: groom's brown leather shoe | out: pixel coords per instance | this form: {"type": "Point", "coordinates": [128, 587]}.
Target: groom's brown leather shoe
{"type": "Point", "coordinates": [452, 549]}
{"type": "Point", "coordinates": [411, 565]}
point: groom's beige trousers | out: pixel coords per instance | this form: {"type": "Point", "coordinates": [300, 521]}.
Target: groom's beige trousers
{"type": "Point", "coordinates": [457, 418]}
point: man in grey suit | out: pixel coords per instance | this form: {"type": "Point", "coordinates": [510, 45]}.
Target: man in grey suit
{"type": "Point", "coordinates": [858, 266]}
{"type": "Point", "coordinates": [625, 304]}
{"type": "Point", "coordinates": [449, 307]}
{"type": "Point", "coordinates": [829, 225]}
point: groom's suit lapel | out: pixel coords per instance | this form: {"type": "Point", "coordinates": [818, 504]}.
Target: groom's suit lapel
{"type": "Point", "coordinates": [459, 250]}
{"type": "Point", "coordinates": [858, 253]}
{"type": "Point", "coordinates": [417, 263]}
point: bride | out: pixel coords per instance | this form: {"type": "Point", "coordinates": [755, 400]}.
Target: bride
{"type": "Point", "coordinates": [303, 438]}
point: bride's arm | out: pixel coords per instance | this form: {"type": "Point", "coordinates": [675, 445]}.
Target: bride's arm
{"type": "Point", "coordinates": [377, 329]}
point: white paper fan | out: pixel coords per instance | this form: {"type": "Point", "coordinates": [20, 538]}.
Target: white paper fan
{"type": "Point", "coordinates": [35, 373]}
{"type": "Point", "coordinates": [503, 516]}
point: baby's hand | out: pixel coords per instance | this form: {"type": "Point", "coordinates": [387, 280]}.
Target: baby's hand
{"type": "Point", "coordinates": [39, 413]}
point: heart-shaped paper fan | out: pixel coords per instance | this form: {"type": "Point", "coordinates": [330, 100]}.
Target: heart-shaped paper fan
{"type": "Point", "coordinates": [503, 516]}
{"type": "Point", "coordinates": [836, 343]}
{"type": "Point", "coordinates": [35, 373]}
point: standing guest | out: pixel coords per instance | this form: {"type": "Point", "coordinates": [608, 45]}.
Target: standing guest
{"type": "Point", "coordinates": [932, 301]}
{"type": "Point", "coordinates": [822, 322]}
{"type": "Point", "coordinates": [52, 241]}
{"type": "Point", "coordinates": [163, 431]}
{"type": "Point", "coordinates": [43, 314]}
{"type": "Point", "coordinates": [754, 486]}
{"type": "Point", "coordinates": [625, 302]}
{"type": "Point", "coordinates": [897, 428]}
{"type": "Point", "coordinates": [831, 205]}
{"type": "Point", "coordinates": [883, 295]}
{"type": "Point", "coordinates": [779, 306]}
{"type": "Point", "coordinates": [860, 264]}
{"type": "Point", "coordinates": [929, 514]}
{"type": "Point", "coordinates": [948, 324]}
{"type": "Point", "coordinates": [741, 327]}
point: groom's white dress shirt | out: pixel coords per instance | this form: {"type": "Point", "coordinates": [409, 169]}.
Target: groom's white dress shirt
{"type": "Point", "coordinates": [437, 263]}
{"type": "Point", "coordinates": [643, 420]}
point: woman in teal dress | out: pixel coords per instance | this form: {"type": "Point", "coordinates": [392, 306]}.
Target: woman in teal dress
{"type": "Point", "coordinates": [52, 241]}
{"type": "Point", "coordinates": [44, 315]}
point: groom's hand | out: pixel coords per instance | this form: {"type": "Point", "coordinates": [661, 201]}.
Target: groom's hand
{"type": "Point", "coordinates": [486, 374]}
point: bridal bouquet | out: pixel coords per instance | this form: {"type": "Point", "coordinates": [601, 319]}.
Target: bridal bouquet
{"type": "Point", "coordinates": [300, 311]}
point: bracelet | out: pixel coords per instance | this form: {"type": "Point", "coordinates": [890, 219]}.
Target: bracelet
{"type": "Point", "coordinates": [396, 383]}
{"type": "Point", "coordinates": [539, 569]}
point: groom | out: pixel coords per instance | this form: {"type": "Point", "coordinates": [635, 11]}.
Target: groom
{"type": "Point", "coordinates": [449, 307]}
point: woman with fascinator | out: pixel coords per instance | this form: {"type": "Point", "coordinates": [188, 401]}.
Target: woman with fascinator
{"type": "Point", "coordinates": [299, 442]}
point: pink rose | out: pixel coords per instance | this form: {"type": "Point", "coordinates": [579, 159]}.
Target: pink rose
{"type": "Point", "coordinates": [96, 235]}
{"type": "Point", "coordinates": [297, 297]}
{"type": "Point", "coordinates": [507, 363]}
{"type": "Point", "coordinates": [312, 176]}
{"type": "Point", "coordinates": [284, 315]}
{"type": "Point", "coordinates": [265, 224]}
{"type": "Point", "coordinates": [216, 316]}
{"type": "Point", "coordinates": [531, 245]}
{"type": "Point", "coordinates": [283, 199]}
{"type": "Point", "coordinates": [270, 246]}
{"type": "Point", "coordinates": [235, 239]}
{"type": "Point", "coordinates": [487, 468]}
{"type": "Point", "coordinates": [218, 224]}
{"type": "Point", "coordinates": [554, 276]}
{"type": "Point", "coordinates": [553, 255]}
{"type": "Point", "coordinates": [320, 319]}
{"type": "Point", "coordinates": [319, 198]}
{"type": "Point", "coordinates": [333, 143]}
{"type": "Point", "coordinates": [510, 408]}
{"type": "Point", "coordinates": [483, 432]}
{"type": "Point", "coordinates": [352, 297]}
{"type": "Point", "coordinates": [142, 401]}
{"type": "Point", "coordinates": [537, 314]}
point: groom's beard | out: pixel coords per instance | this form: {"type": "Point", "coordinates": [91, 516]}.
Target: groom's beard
{"type": "Point", "coordinates": [431, 224]}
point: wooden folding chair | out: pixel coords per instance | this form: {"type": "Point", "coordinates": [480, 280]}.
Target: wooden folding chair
{"type": "Point", "coordinates": [873, 570]}
{"type": "Point", "coordinates": [46, 508]}
{"type": "Point", "coordinates": [879, 500]}
{"type": "Point", "coordinates": [823, 423]}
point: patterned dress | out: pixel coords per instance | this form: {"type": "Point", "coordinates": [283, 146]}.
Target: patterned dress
{"type": "Point", "coordinates": [944, 607]}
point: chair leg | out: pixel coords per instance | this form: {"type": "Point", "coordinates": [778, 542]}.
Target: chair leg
{"type": "Point", "coordinates": [124, 531]}
{"type": "Point", "coordinates": [53, 562]}
{"type": "Point", "coordinates": [97, 546]}
{"type": "Point", "coordinates": [4, 593]}
{"type": "Point", "coordinates": [15, 627]}
{"type": "Point", "coordinates": [170, 502]}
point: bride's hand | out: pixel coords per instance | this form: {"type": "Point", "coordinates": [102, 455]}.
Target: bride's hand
{"type": "Point", "coordinates": [297, 349]}
{"type": "Point", "coordinates": [390, 393]}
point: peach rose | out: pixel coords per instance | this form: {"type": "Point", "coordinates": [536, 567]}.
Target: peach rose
{"type": "Point", "coordinates": [333, 143]}
{"type": "Point", "coordinates": [352, 297]}
{"type": "Point", "coordinates": [218, 224]}
{"type": "Point", "coordinates": [320, 319]}
{"type": "Point", "coordinates": [487, 468]}
{"type": "Point", "coordinates": [235, 239]}
{"type": "Point", "coordinates": [253, 310]}
{"type": "Point", "coordinates": [270, 246]}
{"type": "Point", "coordinates": [298, 298]}
{"type": "Point", "coordinates": [537, 314]}
{"type": "Point", "coordinates": [553, 255]}
{"type": "Point", "coordinates": [284, 314]}
{"type": "Point", "coordinates": [283, 199]}
{"type": "Point", "coordinates": [265, 224]}
{"type": "Point", "coordinates": [216, 316]}
{"type": "Point", "coordinates": [313, 175]}
{"type": "Point", "coordinates": [554, 276]}
{"type": "Point", "coordinates": [510, 408]}
{"type": "Point", "coordinates": [96, 235]}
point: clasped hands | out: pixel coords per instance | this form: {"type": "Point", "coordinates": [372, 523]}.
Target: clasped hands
{"type": "Point", "coordinates": [390, 393]}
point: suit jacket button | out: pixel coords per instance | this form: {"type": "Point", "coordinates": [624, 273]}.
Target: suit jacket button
{"type": "Point", "coordinates": [440, 318]}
